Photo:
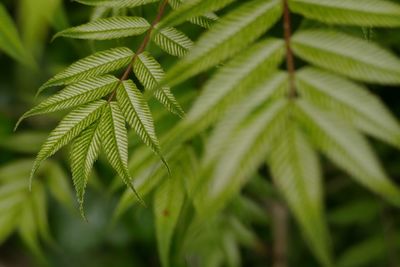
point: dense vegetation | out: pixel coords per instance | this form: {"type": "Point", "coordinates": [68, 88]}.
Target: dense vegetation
{"type": "Point", "coordinates": [221, 120]}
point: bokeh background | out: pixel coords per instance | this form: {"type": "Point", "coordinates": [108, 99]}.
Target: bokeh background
{"type": "Point", "coordinates": [44, 227]}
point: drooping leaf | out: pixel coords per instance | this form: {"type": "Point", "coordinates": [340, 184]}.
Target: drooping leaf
{"type": "Point", "coordinates": [346, 148]}
{"type": "Point", "coordinates": [228, 36]}
{"type": "Point", "coordinates": [84, 152]}
{"type": "Point", "coordinates": [272, 86]}
{"type": "Point", "coordinates": [116, 3]}
{"type": "Point", "coordinates": [10, 41]}
{"type": "Point", "coordinates": [69, 128]}
{"type": "Point", "coordinates": [75, 95]}
{"type": "Point", "coordinates": [107, 28]}
{"type": "Point", "coordinates": [238, 75]}
{"type": "Point", "coordinates": [243, 153]}
{"type": "Point", "coordinates": [168, 202]}
{"type": "Point", "coordinates": [114, 139]}
{"type": "Point", "coordinates": [150, 73]}
{"type": "Point", "coordinates": [296, 172]}
{"type": "Point", "coordinates": [350, 101]}
{"type": "Point", "coordinates": [137, 114]}
{"type": "Point", "coordinates": [191, 9]}
{"type": "Point", "coordinates": [347, 55]}
{"type": "Point", "coordinates": [172, 41]}
{"type": "Point", "coordinates": [369, 13]}
{"type": "Point", "coordinates": [94, 65]}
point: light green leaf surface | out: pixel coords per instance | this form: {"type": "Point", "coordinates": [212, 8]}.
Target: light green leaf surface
{"type": "Point", "coordinates": [351, 101]}
{"type": "Point", "coordinates": [75, 95]}
{"type": "Point", "coordinates": [191, 9]}
{"type": "Point", "coordinates": [347, 55]}
{"type": "Point", "coordinates": [296, 172]}
{"type": "Point", "coordinates": [232, 80]}
{"type": "Point", "coordinates": [69, 128]}
{"type": "Point", "coordinates": [84, 152]}
{"type": "Point", "coordinates": [150, 73]}
{"type": "Point", "coordinates": [114, 140]}
{"type": "Point", "coordinates": [368, 13]}
{"type": "Point", "coordinates": [172, 41]}
{"type": "Point", "coordinates": [227, 37]}
{"type": "Point", "coordinates": [347, 148]}
{"type": "Point", "coordinates": [107, 28]}
{"type": "Point", "coordinates": [94, 65]}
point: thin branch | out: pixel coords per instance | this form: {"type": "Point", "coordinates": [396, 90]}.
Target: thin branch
{"type": "Point", "coordinates": [289, 53]}
{"type": "Point", "coordinates": [279, 214]}
{"type": "Point", "coordinates": [142, 46]}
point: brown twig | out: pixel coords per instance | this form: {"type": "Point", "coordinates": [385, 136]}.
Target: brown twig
{"type": "Point", "coordinates": [289, 53]}
{"type": "Point", "coordinates": [279, 214]}
{"type": "Point", "coordinates": [142, 46]}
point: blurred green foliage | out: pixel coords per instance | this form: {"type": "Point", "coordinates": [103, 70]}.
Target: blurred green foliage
{"type": "Point", "coordinates": [44, 228]}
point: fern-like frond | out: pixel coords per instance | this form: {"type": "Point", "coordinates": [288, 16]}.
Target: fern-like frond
{"type": "Point", "coordinates": [350, 56]}
{"type": "Point", "coordinates": [238, 75]}
{"type": "Point", "coordinates": [150, 73]}
{"type": "Point", "coordinates": [271, 87]}
{"type": "Point", "coordinates": [114, 139]}
{"type": "Point", "coordinates": [352, 102]}
{"type": "Point", "coordinates": [116, 3]}
{"type": "Point", "coordinates": [243, 153]}
{"type": "Point", "coordinates": [99, 63]}
{"type": "Point", "coordinates": [168, 203]}
{"type": "Point", "coordinates": [75, 95]}
{"type": "Point", "coordinates": [84, 152]}
{"type": "Point", "coordinates": [69, 128]}
{"type": "Point", "coordinates": [137, 114]}
{"type": "Point", "coordinates": [172, 41]}
{"type": "Point", "coordinates": [296, 172]}
{"type": "Point", "coordinates": [191, 9]}
{"type": "Point", "coordinates": [107, 28]}
{"type": "Point", "coordinates": [227, 37]}
{"type": "Point", "coordinates": [368, 13]}
{"type": "Point", "coordinates": [346, 148]}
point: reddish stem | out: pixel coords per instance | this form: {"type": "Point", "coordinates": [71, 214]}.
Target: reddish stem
{"type": "Point", "coordinates": [289, 53]}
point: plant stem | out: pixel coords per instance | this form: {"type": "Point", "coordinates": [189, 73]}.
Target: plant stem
{"type": "Point", "coordinates": [279, 214]}
{"type": "Point", "coordinates": [142, 46]}
{"type": "Point", "coordinates": [289, 53]}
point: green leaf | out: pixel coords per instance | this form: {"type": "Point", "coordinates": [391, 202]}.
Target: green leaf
{"type": "Point", "coordinates": [137, 114]}
{"type": "Point", "coordinates": [75, 95]}
{"type": "Point", "coordinates": [244, 151]}
{"type": "Point", "coordinates": [347, 149]}
{"type": "Point", "coordinates": [116, 3]}
{"type": "Point", "coordinates": [350, 101]}
{"type": "Point", "coordinates": [272, 86]}
{"type": "Point", "coordinates": [10, 41]}
{"type": "Point", "coordinates": [231, 81]}
{"type": "Point", "coordinates": [149, 72]}
{"type": "Point", "coordinates": [94, 65]}
{"type": "Point", "coordinates": [296, 172]}
{"type": "Point", "coordinates": [205, 21]}
{"type": "Point", "coordinates": [172, 41]}
{"type": "Point", "coordinates": [84, 152]}
{"type": "Point", "coordinates": [168, 202]}
{"type": "Point", "coordinates": [107, 28]}
{"type": "Point", "coordinates": [368, 13]}
{"type": "Point", "coordinates": [191, 9]}
{"type": "Point", "coordinates": [228, 36]}
{"type": "Point", "coordinates": [114, 139]}
{"type": "Point", "coordinates": [69, 128]}
{"type": "Point", "coordinates": [347, 55]}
